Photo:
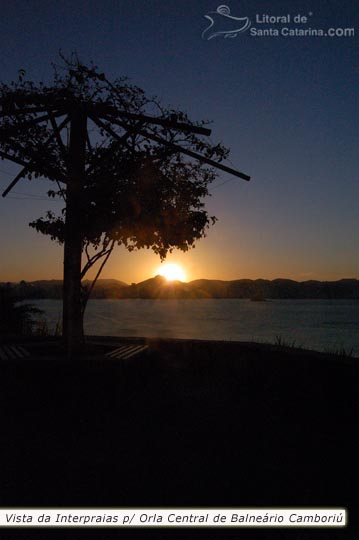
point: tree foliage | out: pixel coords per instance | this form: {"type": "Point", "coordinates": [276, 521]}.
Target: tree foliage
{"type": "Point", "coordinates": [139, 190]}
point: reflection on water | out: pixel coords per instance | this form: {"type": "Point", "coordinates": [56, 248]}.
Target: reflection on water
{"type": "Point", "coordinates": [326, 325]}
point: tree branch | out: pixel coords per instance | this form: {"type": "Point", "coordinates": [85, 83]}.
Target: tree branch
{"type": "Point", "coordinates": [88, 294]}
{"type": "Point", "coordinates": [92, 260]}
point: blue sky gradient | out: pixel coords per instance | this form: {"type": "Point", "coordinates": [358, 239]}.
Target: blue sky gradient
{"type": "Point", "coordinates": [287, 107]}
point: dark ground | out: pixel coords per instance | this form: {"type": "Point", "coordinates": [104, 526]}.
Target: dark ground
{"type": "Point", "coordinates": [189, 424]}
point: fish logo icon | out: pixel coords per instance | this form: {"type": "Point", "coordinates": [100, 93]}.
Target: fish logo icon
{"type": "Point", "coordinates": [222, 23]}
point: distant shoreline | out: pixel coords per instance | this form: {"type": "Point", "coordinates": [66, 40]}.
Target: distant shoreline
{"type": "Point", "coordinates": [159, 287]}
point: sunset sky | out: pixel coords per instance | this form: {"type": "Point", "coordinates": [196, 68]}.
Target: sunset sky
{"type": "Point", "coordinates": [287, 107]}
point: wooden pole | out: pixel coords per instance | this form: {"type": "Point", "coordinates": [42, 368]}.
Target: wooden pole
{"type": "Point", "coordinates": [72, 313]}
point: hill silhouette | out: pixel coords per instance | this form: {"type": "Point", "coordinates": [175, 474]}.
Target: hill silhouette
{"type": "Point", "coordinates": [159, 287]}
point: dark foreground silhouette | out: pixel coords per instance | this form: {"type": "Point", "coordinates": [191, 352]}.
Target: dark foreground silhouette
{"type": "Point", "coordinates": [191, 424]}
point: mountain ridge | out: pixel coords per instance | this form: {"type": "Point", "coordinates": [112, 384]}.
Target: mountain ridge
{"type": "Point", "coordinates": [159, 287]}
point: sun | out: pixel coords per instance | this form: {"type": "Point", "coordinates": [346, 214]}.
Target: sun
{"type": "Point", "coordinates": [172, 272]}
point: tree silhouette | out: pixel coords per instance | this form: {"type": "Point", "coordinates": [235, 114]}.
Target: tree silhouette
{"type": "Point", "coordinates": [130, 171]}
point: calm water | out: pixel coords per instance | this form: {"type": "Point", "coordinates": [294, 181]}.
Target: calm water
{"type": "Point", "coordinates": [325, 325]}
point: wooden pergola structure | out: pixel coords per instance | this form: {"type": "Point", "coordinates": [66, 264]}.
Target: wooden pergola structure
{"type": "Point", "coordinates": [73, 113]}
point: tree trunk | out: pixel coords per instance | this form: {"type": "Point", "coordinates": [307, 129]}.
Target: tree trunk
{"type": "Point", "coordinates": [72, 313]}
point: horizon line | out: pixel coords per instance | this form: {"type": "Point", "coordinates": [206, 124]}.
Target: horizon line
{"type": "Point", "coordinates": [190, 281]}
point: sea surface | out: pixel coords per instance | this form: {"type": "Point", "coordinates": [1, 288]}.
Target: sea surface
{"type": "Point", "coordinates": [323, 325]}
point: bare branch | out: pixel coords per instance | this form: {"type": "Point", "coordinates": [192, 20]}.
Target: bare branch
{"type": "Point", "coordinates": [92, 260]}
{"type": "Point", "coordinates": [86, 251]}
{"type": "Point", "coordinates": [108, 253]}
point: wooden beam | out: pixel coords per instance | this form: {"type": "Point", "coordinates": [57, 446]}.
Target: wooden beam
{"type": "Point", "coordinates": [178, 148]}
{"type": "Point", "coordinates": [13, 130]}
{"type": "Point", "coordinates": [88, 143]}
{"type": "Point", "coordinates": [37, 99]}
{"type": "Point", "coordinates": [43, 169]}
{"type": "Point", "coordinates": [102, 109]}
{"type": "Point", "coordinates": [57, 132]}
{"type": "Point", "coordinates": [199, 157]}
{"type": "Point", "coordinates": [120, 138]}
{"type": "Point", "coordinates": [18, 98]}
{"type": "Point", "coordinates": [25, 169]}
{"type": "Point", "coordinates": [15, 181]}
{"type": "Point", "coordinates": [25, 110]}
{"type": "Point", "coordinates": [19, 161]}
